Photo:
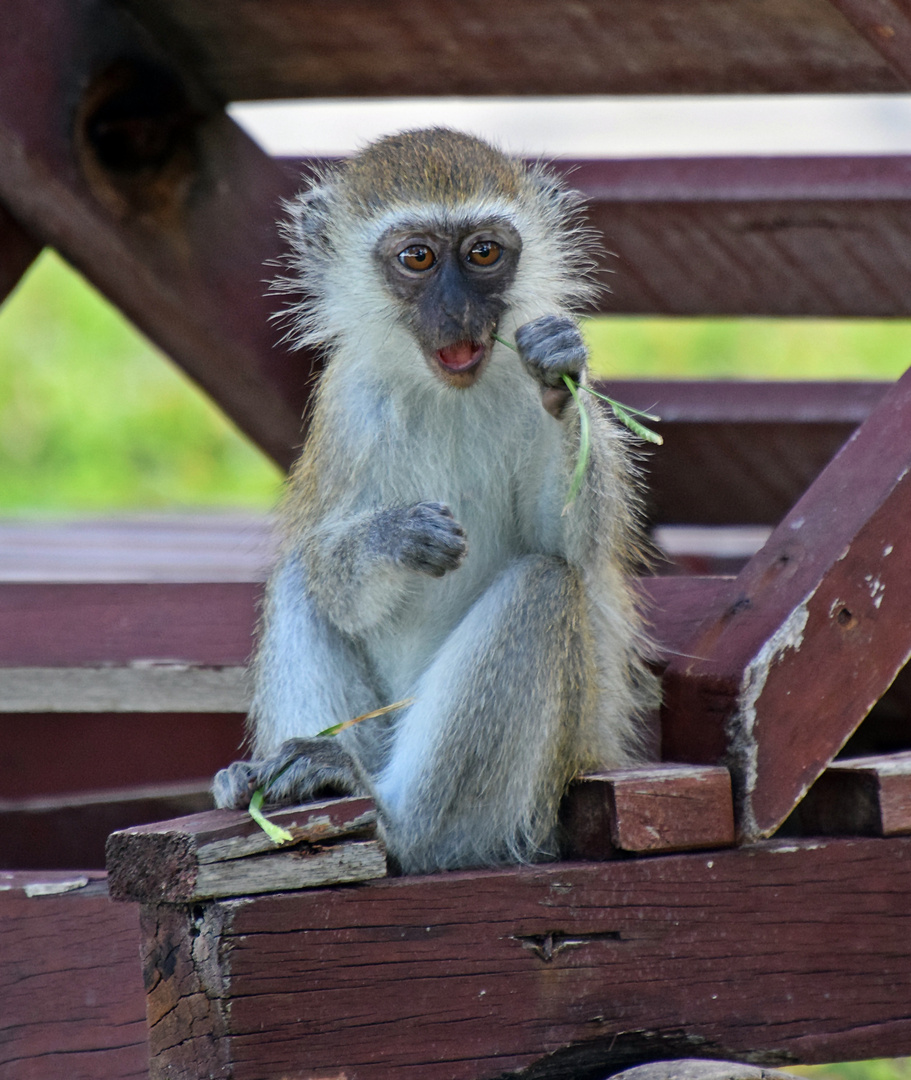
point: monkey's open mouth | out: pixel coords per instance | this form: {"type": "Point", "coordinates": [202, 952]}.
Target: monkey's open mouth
{"type": "Point", "coordinates": [461, 356]}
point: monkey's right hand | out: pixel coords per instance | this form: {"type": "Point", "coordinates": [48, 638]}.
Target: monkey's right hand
{"type": "Point", "coordinates": [424, 537]}
{"type": "Point", "coordinates": [300, 769]}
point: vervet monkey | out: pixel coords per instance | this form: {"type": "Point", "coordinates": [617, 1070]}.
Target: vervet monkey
{"type": "Point", "coordinates": [428, 549]}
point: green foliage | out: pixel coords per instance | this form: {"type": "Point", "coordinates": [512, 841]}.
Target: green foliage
{"type": "Point", "coordinates": [94, 418]}
{"type": "Point", "coordinates": [882, 1069]}
{"type": "Point", "coordinates": [639, 348]}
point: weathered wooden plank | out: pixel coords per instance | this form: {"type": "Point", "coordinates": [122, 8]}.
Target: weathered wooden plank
{"type": "Point", "coordinates": [741, 453]}
{"type": "Point", "coordinates": [58, 754]}
{"type": "Point", "coordinates": [869, 796]}
{"type": "Point", "coordinates": [719, 236]}
{"type": "Point", "coordinates": [646, 810]}
{"type": "Point", "coordinates": [70, 981]}
{"type": "Point", "coordinates": [141, 687]}
{"type": "Point", "coordinates": [547, 972]}
{"type": "Point", "coordinates": [62, 831]}
{"type": "Point", "coordinates": [225, 853]}
{"type": "Point", "coordinates": [17, 252]}
{"type": "Point", "coordinates": [117, 158]}
{"type": "Point", "coordinates": [292, 49]}
{"type": "Point", "coordinates": [886, 26]}
{"type": "Point", "coordinates": [61, 625]}
{"type": "Point", "coordinates": [195, 548]}
{"type": "Point", "coordinates": [809, 635]}
{"type": "Point", "coordinates": [205, 625]}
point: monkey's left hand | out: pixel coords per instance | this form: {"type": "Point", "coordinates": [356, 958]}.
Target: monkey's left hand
{"type": "Point", "coordinates": [551, 347]}
{"type": "Point", "coordinates": [298, 770]}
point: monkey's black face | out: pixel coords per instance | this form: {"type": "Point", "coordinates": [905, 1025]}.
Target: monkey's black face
{"type": "Point", "coordinates": [453, 286]}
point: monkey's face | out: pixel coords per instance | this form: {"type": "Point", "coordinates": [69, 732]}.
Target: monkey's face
{"type": "Point", "coordinates": [452, 284]}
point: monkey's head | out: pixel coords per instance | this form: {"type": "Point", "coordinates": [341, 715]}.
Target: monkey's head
{"type": "Point", "coordinates": [437, 236]}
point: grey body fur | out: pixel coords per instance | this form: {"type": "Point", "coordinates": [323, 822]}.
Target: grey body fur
{"type": "Point", "coordinates": [428, 551]}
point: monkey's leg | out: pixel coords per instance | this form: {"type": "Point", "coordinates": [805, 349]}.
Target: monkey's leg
{"type": "Point", "coordinates": [479, 763]}
{"type": "Point", "coordinates": [307, 677]}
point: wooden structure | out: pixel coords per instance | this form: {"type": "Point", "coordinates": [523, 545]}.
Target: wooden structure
{"type": "Point", "coordinates": [115, 149]}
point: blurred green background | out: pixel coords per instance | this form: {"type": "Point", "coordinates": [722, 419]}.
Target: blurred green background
{"type": "Point", "coordinates": [94, 419]}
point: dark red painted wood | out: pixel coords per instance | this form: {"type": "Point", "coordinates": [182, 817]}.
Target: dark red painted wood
{"type": "Point", "coordinates": [17, 252]}
{"type": "Point", "coordinates": [58, 625]}
{"type": "Point", "coordinates": [740, 453]}
{"type": "Point", "coordinates": [51, 754]}
{"type": "Point", "coordinates": [809, 635]}
{"type": "Point", "coordinates": [563, 971]}
{"type": "Point", "coordinates": [289, 48]}
{"type": "Point", "coordinates": [647, 810]}
{"type": "Point", "coordinates": [71, 830]}
{"type": "Point", "coordinates": [113, 155]}
{"type": "Point", "coordinates": [866, 796]}
{"type": "Point", "coordinates": [70, 982]}
{"type": "Point", "coordinates": [753, 236]}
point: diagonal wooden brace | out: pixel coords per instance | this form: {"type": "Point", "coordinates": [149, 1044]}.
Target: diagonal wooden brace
{"type": "Point", "coordinates": [113, 154]}
{"type": "Point", "coordinates": [810, 634]}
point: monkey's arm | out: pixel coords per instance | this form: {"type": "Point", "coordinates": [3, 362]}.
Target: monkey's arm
{"type": "Point", "coordinates": [359, 567]}
{"type": "Point", "coordinates": [551, 347]}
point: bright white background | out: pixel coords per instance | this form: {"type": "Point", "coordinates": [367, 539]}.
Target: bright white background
{"type": "Point", "coordinates": [599, 126]}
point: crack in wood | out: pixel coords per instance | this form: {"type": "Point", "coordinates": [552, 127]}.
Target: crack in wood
{"type": "Point", "coordinates": [547, 946]}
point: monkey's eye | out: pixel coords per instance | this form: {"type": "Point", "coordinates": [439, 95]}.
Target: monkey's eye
{"type": "Point", "coordinates": [417, 257]}
{"type": "Point", "coordinates": [485, 253]}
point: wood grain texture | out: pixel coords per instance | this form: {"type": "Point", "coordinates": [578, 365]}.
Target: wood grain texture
{"type": "Point", "coordinates": [646, 810]}
{"type": "Point", "coordinates": [869, 796]}
{"type": "Point", "coordinates": [70, 980]}
{"type": "Point", "coordinates": [809, 635]}
{"type": "Point", "coordinates": [129, 167]}
{"type": "Point", "coordinates": [741, 453]}
{"type": "Point", "coordinates": [225, 853]}
{"type": "Point", "coordinates": [886, 25]}
{"type": "Point", "coordinates": [89, 625]}
{"type": "Point", "coordinates": [288, 48]}
{"type": "Point", "coordinates": [140, 688]}
{"type": "Point", "coordinates": [557, 972]}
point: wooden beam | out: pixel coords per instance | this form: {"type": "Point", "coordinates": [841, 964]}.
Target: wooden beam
{"type": "Point", "coordinates": [741, 453]}
{"type": "Point", "coordinates": [549, 972]}
{"type": "Point", "coordinates": [63, 831]}
{"type": "Point", "coordinates": [809, 635]}
{"type": "Point", "coordinates": [752, 236]}
{"type": "Point", "coordinates": [886, 25]}
{"type": "Point", "coordinates": [115, 156]}
{"type": "Point", "coordinates": [225, 853]}
{"type": "Point", "coordinates": [290, 48]}
{"type": "Point", "coordinates": [868, 796]}
{"type": "Point", "coordinates": [118, 625]}
{"type": "Point", "coordinates": [70, 980]}
{"type": "Point", "coordinates": [647, 810]}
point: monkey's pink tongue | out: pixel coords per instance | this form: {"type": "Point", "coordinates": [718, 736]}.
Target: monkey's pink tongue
{"type": "Point", "coordinates": [461, 355]}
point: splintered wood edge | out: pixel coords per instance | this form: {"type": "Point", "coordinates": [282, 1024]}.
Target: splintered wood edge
{"type": "Point", "coordinates": [281, 871]}
{"type": "Point", "coordinates": [166, 860]}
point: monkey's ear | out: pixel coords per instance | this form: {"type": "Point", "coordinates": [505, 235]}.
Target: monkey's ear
{"type": "Point", "coordinates": [309, 215]}
{"type": "Point", "coordinates": [552, 191]}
